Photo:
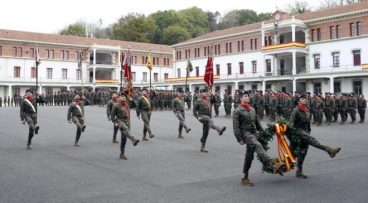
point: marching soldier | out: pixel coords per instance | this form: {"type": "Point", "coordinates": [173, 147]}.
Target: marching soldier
{"type": "Point", "coordinates": [362, 105]}
{"type": "Point", "coordinates": [228, 100]}
{"type": "Point", "coordinates": [110, 104]}
{"type": "Point", "coordinates": [202, 110]}
{"type": "Point", "coordinates": [28, 114]}
{"type": "Point", "coordinates": [76, 115]}
{"type": "Point", "coordinates": [300, 119]}
{"type": "Point", "coordinates": [352, 107]}
{"type": "Point", "coordinates": [245, 126]}
{"type": "Point", "coordinates": [178, 109]}
{"type": "Point", "coordinates": [120, 115]}
{"type": "Point", "coordinates": [144, 109]}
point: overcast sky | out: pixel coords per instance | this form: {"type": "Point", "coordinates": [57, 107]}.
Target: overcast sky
{"type": "Point", "coordinates": [50, 16]}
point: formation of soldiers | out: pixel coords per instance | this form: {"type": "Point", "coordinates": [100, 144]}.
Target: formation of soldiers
{"type": "Point", "coordinates": [277, 104]}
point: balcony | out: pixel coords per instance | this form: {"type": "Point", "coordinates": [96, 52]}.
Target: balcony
{"type": "Point", "coordinates": [182, 79]}
{"type": "Point", "coordinates": [114, 82]}
{"type": "Point", "coordinates": [284, 46]}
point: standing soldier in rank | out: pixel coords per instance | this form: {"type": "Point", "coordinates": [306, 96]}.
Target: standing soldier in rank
{"type": "Point", "coordinates": [144, 109]}
{"type": "Point", "coordinates": [228, 100]}
{"type": "Point", "coordinates": [76, 115]}
{"type": "Point", "coordinates": [120, 115]}
{"type": "Point", "coordinates": [178, 109]}
{"type": "Point", "coordinates": [352, 107]}
{"type": "Point", "coordinates": [362, 105]}
{"type": "Point", "coordinates": [202, 110]}
{"type": "Point", "coordinates": [329, 108]}
{"type": "Point", "coordinates": [319, 109]}
{"type": "Point", "coordinates": [245, 126]}
{"type": "Point", "coordinates": [110, 104]}
{"type": "Point", "coordinates": [28, 114]}
{"type": "Point", "coordinates": [217, 103]}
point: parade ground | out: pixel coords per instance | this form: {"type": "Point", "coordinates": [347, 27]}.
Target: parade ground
{"type": "Point", "coordinates": [166, 169]}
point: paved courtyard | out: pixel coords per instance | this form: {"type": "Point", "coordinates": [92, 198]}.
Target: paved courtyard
{"type": "Point", "coordinates": [166, 169]}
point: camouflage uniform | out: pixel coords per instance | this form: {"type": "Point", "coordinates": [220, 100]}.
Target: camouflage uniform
{"type": "Point", "coordinates": [202, 110]}
{"type": "Point", "coordinates": [144, 109]}
{"type": "Point", "coordinates": [329, 109]}
{"type": "Point", "coordinates": [228, 100]}
{"type": "Point", "coordinates": [320, 106]}
{"type": "Point", "coordinates": [178, 109]}
{"type": "Point", "coordinates": [352, 108]}
{"type": "Point", "coordinates": [110, 105]}
{"type": "Point", "coordinates": [362, 105]}
{"type": "Point", "coordinates": [245, 126]}
{"type": "Point", "coordinates": [76, 114]}
{"type": "Point", "coordinates": [28, 114]}
{"type": "Point", "coordinates": [217, 103]}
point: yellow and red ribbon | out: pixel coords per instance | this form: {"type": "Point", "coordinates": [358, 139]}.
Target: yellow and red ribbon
{"type": "Point", "coordinates": [285, 156]}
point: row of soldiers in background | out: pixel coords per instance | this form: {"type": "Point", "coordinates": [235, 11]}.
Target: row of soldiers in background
{"type": "Point", "coordinates": [98, 97]}
{"type": "Point", "coordinates": [13, 101]}
{"type": "Point", "coordinates": [277, 104]}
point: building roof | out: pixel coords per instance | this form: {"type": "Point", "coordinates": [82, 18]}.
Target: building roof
{"type": "Point", "coordinates": [304, 17]}
{"type": "Point", "coordinates": [80, 41]}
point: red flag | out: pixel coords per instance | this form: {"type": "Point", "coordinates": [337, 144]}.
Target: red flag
{"type": "Point", "coordinates": [208, 75]}
{"type": "Point", "coordinates": [126, 65]}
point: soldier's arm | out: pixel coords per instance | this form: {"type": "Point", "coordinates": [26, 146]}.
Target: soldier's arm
{"type": "Point", "coordinates": [195, 109]}
{"type": "Point", "coordinates": [138, 109]}
{"type": "Point", "coordinates": [113, 113]}
{"type": "Point", "coordinates": [22, 114]}
{"type": "Point", "coordinates": [236, 126]}
{"type": "Point", "coordinates": [108, 110]}
{"type": "Point", "coordinates": [69, 116]}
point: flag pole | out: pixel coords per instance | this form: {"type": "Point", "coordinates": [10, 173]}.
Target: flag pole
{"type": "Point", "coordinates": [186, 81]}
{"type": "Point", "coordinates": [37, 63]}
{"type": "Point", "coordinates": [121, 72]}
{"type": "Point", "coordinates": [81, 70]}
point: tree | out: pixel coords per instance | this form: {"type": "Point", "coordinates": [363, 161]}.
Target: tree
{"type": "Point", "coordinates": [264, 16]}
{"type": "Point", "coordinates": [333, 3]}
{"type": "Point", "coordinates": [213, 20]}
{"type": "Point", "coordinates": [238, 18]}
{"type": "Point", "coordinates": [76, 29]}
{"type": "Point", "coordinates": [134, 27]}
{"type": "Point", "coordinates": [298, 7]}
{"type": "Point", "coordinates": [196, 21]}
{"type": "Point", "coordinates": [174, 34]}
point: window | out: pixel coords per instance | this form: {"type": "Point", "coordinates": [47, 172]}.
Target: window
{"type": "Point", "coordinates": [336, 59]}
{"type": "Point", "coordinates": [197, 71]}
{"type": "Point", "coordinates": [52, 54]}
{"type": "Point", "coordinates": [62, 54]}
{"type": "Point", "coordinates": [356, 57]}
{"type": "Point", "coordinates": [32, 53]}
{"type": "Point", "coordinates": [229, 69]}
{"type": "Point", "coordinates": [65, 73]}
{"type": "Point", "coordinates": [337, 87]}
{"type": "Point", "coordinates": [358, 88]}
{"type": "Point", "coordinates": [317, 63]}
{"type": "Point", "coordinates": [312, 34]}
{"type": "Point", "coordinates": [47, 53]}
{"type": "Point", "coordinates": [337, 31]}
{"type": "Point", "coordinates": [205, 51]}
{"type": "Point", "coordinates": [254, 66]}
{"type": "Point", "coordinates": [332, 32]}
{"type": "Point", "coordinates": [33, 72]}
{"type": "Point", "coordinates": [16, 71]}
{"type": "Point", "coordinates": [265, 41]}
{"type": "Point", "coordinates": [20, 52]}
{"type": "Point", "coordinates": [135, 59]}
{"type": "Point", "coordinates": [358, 28]}
{"type": "Point", "coordinates": [241, 67]}
{"type": "Point", "coordinates": [254, 87]}
{"type": "Point", "coordinates": [166, 76]}
{"type": "Point", "coordinates": [67, 55]}
{"type": "Point", "coordinates": [168, 62]}
{"type": "Point", "coordinates": [227, 48]}
{"type": "Point", "coordinates": [238, 46]}
{"type": "Point", "coordinates": [144, 76]}
{"type": "Point", "coordinates": [217, 69]}
{"type": "Point", "coordinates": [268, 65]}
{"type": "Point", "coordinates": [352, 29]}
{"type": "Point", "coordinates": [1, 50]}
{"type": "Point", "coordinates": [231, 47]}
{"type": "Point", "coordinates": [242, 45]}
{"type": "Point", "coordinates": [218, 50]}
{"type": "Point", "coordinates": [15, 51]}
{"type": "Point", "coordinates": [49, 73]}
{"type": "Point", "coordinates": [78, 74]}
{"type": "Point", "coordinates": [255, 43]}
{"type": "Point", "coordinates": [269, 40]}
{"type": "Point", "coordinates": [154, 60]}
{"type": "Point", "coordinates": [155, 77]}
{"type": "Point", "coordinates": [179, 73]}
{"type": "Point", "coordinates": [251, 44]}
{"type": "Point", "coordinates": [318, 34]}
{"type": "Point", "coordinates": [317, 88]}
{"type": "Point", "coordinates": [134, 76]}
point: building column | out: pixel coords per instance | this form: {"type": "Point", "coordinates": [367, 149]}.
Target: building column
{"type": "Point", "coordinates": [293, 33]}
{"type": "Point", "coordinates": [236, 85]}
{"type": "Point", "coordinates": [263, 86]}
{"type": "Point", "coordinates": [294, 85]}
{"type": "Point", "coordinates": [275, 66]}
{"type": "Point", "coordinates": [332, 88]}
{"type": "Point", "coordinates": [94, 75]}
{"type": "Point", "coordinates": [68, 88]}
{"type": "Point", "coordinates": [10, 91]}
{"type": "Point", "coordinates": [94, 56]}
{"type": "Point", "coordinates": [190, 87]}
{"type": "Point", "coordinates": [39, 89]}
{"type": "Point", "coordinates": [294, 62]}
{"type": "Point", "coordinates": [263, 38]}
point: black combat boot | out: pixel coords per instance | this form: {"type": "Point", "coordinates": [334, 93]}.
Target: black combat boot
{"type": "Point", "coordinates": [203, 148]}
{"type": "Point", "coordinates": [180, 136]}
{"type": "Point", "coordinates": [333, 152]}
{"type": "Point", "coordinates": [115, 141]}
{"type": "Point", "coordinates": [246, 181]}
{"type": "Point", "coordinates": [188, 130]}
{"type": "Point", "coordinates": [123, 157]}
{"type": "Point", "coordinates": [28, 147]}
{"type": "Point", "coordinates": [37, 128]}
{"type": "Point", "coordinates": [299, 173]}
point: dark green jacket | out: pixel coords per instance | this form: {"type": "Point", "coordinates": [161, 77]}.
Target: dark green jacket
{"type": "Point", "coordinates": [300, 119]}
{"type": "Point", "coordinates": [120, 113]}
{"type": "Point", "coordinates": [201, 108]}
{"type": "Point", "coordinates": [177, 104]}
{"type": "Point", "coordinates": [245, 122]}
